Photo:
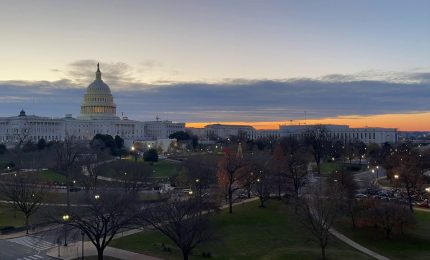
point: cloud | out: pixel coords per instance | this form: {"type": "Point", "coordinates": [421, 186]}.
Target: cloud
{"type": "Point", "coordinates": [83, 71]}
{"type": "Point", "coordinates": [227, 100]}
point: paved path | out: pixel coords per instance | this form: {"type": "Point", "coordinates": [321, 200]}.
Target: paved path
{"type": "Point", "coordinates": [357, 246]}
{"type": "Point", "coordinates": [74, 250]}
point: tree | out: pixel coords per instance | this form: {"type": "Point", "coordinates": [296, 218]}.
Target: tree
{"type": "Point", "coordinates": [66, 158]}
{"type": "Point", "coordinates": [25, 193]}
{"type": "Point", "coordinates": [297, 163]}
{"type": "Point", "coordinates": [410, 176]}
{"type": "Point", "coordinates": [180, 136]}
{"type": "Point", "coordinates": [264, 183]}
{"type": "Point", "coordinates": [349, 151]}
{"type": "Point", "coordinates": [119, 142]}
{"type": "Point", "coordinates": [347, 190]}
{"type": "Point", "coordinates": [181, 221]}
{"type": "Point", "coordinates": [41, 144]}
{"type": "Point", "coordinates": [229, 174]}
{"type": "Point", "coordinates": [390, 217]}
{"type": "Point", "coordinates": [151, 155]}
{"type": "Point", "coordinates": [361, 148]}
{"type": "Point", "coordinates": [317, 212]}
{"type": "Point", "coordinates": [279, 167]}
{"type": "Point", "coordinates": [3, 148]}
{"type": "Point", "coordinates": [106, 213]}
{"type": "Point", "coordinates": [318, 141]}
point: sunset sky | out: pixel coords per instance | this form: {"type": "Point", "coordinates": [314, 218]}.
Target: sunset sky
{"type": "Point", "coordinates": [362, 63]}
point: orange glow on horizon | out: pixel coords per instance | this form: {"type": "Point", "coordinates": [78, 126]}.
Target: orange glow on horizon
{"type": "Point", "coordinates": [403, 122]}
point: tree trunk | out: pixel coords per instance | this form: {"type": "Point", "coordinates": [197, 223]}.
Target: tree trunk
{"type": "Point", "coordinates": [353, 220]}
{"type": "Point", "coordinates": [230, 201]}
{"type": "Point", "coordinates": [319, 168]}
{"type": "Point", "coordinates": [185, 254]}
{"type": "Point", "coordinates": [26, 224]}
{"type": "Point", "coordinates": [410, 199]}
{"type": "Point", "coordinates": [323, 252]}
{"type": "Point", "coordinates": [262, 202]}
{"type": "Point", "coordinates": [387, 233]}
{"type": "Point", "coordinates": [99, 254]}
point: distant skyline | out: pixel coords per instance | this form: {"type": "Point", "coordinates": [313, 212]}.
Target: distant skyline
{"type": "Point", "coordinates": [260, 62]}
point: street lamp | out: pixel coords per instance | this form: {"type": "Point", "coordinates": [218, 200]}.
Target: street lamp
{"type": "Point", "coordinates": [83, 236]}
{"type": "Point", "coordinates": [396, 176]}
{"type": "Point", "coordinates": [65, 219]}
{"type": "Point", "coordinates": [97, 196]}
{"type": "Point", "coordinates": [190, 192]}
{"type": "Point", "coordinates": [428, 189]}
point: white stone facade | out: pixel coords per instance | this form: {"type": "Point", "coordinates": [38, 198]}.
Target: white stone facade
{"type": "Point", "coordinates": [344, 133]}
{"type": "Point", "coordinates": [98, 116]}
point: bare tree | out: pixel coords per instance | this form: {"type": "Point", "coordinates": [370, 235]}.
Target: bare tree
{"type": "Point", "coordinates": [231, 171]}
{"type": "Point", "coordinates": [181, 221]}
{"type": "Point", "coordinates": [103, 215]}
{"type": "Point", "coordinates": [347, 190]}
{"type": "Point", "coordinates": [25, 193]}
{"type": "Point", "coordinates": [390, 217]}
{"type": "Point", "coordinates": [317, 212]}
{"type": "Point", "coordinates": [66, 157]}
{"type": "Point", "coordinates": [410, 174]}
{"type": "Point", "coordinates": [318, 140]}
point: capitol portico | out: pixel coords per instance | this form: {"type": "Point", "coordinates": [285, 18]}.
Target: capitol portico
{"type": "Point", "coordinates": [98, 116]}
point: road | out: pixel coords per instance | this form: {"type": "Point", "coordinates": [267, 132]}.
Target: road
{"type": "Point", "coordinates": [35, 246]}
{"type": "Point", "coordinates": [15, 251]}
{"type": "Point", "coordinates": [367, 178]}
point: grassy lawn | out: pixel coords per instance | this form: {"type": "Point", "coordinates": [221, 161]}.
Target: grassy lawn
{"type": "Point", "coordinates": [414, 244]}
{"type": "Point", "coordinates": [330, 167]}
{"type": "Point", "coordinates": [250, 233]}
{"type": "Point", "coordinates": [162, 168]}
{"type": "Point", "coordinates": [51, 176]}
{"type": "Point", "coordinates": [165, 168]}
{"type": "Point", "coordinates": [7, 217]}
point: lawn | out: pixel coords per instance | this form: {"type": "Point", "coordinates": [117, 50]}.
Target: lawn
{"type": "Point", "coordinates": [50, 176]}
{"type": "Point", "coordinates": [330, 167]}
{"type": "Point", "coordinates": [414, 244]}
{"type": "Point", "coordinates": [250, 233]}
{"type": "Point", "coordinates": [7, 217]}
{"type": "Point", "coordinates": [165, 168]}
{"type": "Point", "coordinates": [161, 169]}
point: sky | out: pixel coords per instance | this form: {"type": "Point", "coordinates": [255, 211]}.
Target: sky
{"type": "Point", "coordinates": [265, 63]}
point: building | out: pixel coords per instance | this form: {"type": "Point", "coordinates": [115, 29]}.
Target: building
{"type": "Point", "coordinates": [344, 133]}
{"type": "Point", "coordinates": [97, 116]}
{"type": "Point", "coordinates": [221, 131]}
{"type": "Point", "coordinates": [162, 129]}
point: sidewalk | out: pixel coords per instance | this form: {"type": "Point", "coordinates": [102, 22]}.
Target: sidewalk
{"type": "Point", "coordinates": [74, 250]}
{"type": "Point", "coordinates": [30, 232]}
{"type": "Point", "coordinates": [357, 246]}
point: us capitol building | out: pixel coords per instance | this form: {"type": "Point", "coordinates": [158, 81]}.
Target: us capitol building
{"type": "Point", "coordinates": [97, 116]}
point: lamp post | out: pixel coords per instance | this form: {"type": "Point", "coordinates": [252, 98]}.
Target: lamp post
{"type": "Point", "coordinates": [133, 150]}
{"type": "Point", "coordinates": [83, 235]}
{"type": "Point", "coordinates": [65, 219]}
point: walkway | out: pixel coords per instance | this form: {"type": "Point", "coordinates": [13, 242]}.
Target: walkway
{"type": "Point", "coordinates": [357, 246]}
{"type": "Point", "coordinates": [74, 250]}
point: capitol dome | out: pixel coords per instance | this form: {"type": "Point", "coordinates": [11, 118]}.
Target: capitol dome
{"type": "Point", "coordinates": [98, 100]}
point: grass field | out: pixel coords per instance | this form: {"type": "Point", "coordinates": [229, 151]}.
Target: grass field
{"type": "Point", "coordinates": [414, 244]}
{"type": "Point", "coordinates": [7, 217]}
{"type": "Point", "coordinates": [330, 167]}
{"type": "Point", "coordinates": [165, 168]}
{"type": "Point", "coordinates": [51, 176]}
{"type": "Point", "coordinates": [250, 233]}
